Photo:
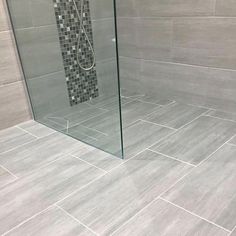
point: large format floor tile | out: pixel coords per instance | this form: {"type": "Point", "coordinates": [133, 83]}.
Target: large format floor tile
{"type": "Point", "coordinates": [112, 200]}
{"type": "Point", "coordinates": [36, 128]}
{"type": "Point", "coordinates": [198, 140]}
{"type": "Point", "coordinates": [233, 233]}
{"type": "Point", "coordinates": [33, 155]}
{"type": "Point", "coordinates": [175, 115]}
{"type": "Point", "coordinates": [98, 158]}
{"type": "Point", "coordinates": [5, 177]}
{"type": "Point", "coordinates": [13, 137]}
{"type": "Point", "coordinates": [164, 219]}
{"type": "Point", "coordinates": [53, 222]}
{"type": "Point", "coordinates": [209, 190]}
{"type": "Point", "coordinates": [22, 199]}
{"type": "Point", "coordinates": [137, 137]}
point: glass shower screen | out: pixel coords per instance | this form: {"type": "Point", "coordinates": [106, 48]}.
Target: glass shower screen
{"type": "Point", "coordinates": [68, 54]}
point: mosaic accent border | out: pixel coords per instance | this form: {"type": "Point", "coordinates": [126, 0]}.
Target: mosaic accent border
{"type": "Point", "coordinates": [82, 85]}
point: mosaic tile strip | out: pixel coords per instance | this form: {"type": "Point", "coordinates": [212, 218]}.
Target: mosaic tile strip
{"type": "Point", "coordinates": [82, 85]}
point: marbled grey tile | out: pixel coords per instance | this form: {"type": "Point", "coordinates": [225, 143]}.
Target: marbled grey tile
{"type": "Point", "coordinates": [5, 177]}
{"type": "Point", "coordinates": [40, 50]}
{"type": "Point", "coordinates": [101, 9]}
{"type": "Point", "coordinates": [198, 140]}
{"type": "Point", "coordinates": [29, 157]}
{"type": "Point", "coordinates": [98, 158]}
{"type": "Point", "coordinates": [27, 196]}
{"type": "Point", "coordinates": [175, 115]}
{"type": "Point", "coordinates": [111, 201]}
{"type": "Point", "coordinates": [208, 42]}
{"type": "Point", "coordinates": [12, 138]}
{"type": "Point", "coordinates": [53, 222]}
{"type": "Point", "coordinates": [10, 70]}
{"type": "Point", "coordinates": [163, 219]}
{"type": "Point", "coordinates": [208, 191]}
{"type": "Point", "coordinates": [225, 8]}
{"type": "Point", "coordinates": [36, 129]}
{"type": "Point", "coordinates": [157, 8]}
{"type": "Point", "coordinates": [138, 38]}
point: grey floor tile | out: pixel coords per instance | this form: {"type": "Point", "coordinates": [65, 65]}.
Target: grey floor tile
{"type": "Point", "coordinates": [209, 190]}
{"type": "Point", "coordinates": [36, 128]}
{"type": "Point", "coordinates": [53, 222]}
{"type": "Point", "coordinates": [233, 233]}
{"type": "Point", "coordinates": [13, 137]}
{"type": "Point", "coordinates": [175, 115]}
{"type": "Point", "coordinates": [27, 196]}
{"type": "Point", "coordinates": [155, 100]}
{"type": "Point", "coordinates": [223, 115]}
{"type": "Point", "coordinates": [137, 137]}
{"type": "Point", "coordinates": [111, 201]}
{"type": "Point", "coordinates": [33, 155]}
{"type": "Point", "coordinates": [98, 158]}
{"type": "Point", "coordinates": [5, 177]}
{"type": "Point", "coordinates": [164, 219]}
{"type": "Point", "coordinates": [198, 140]}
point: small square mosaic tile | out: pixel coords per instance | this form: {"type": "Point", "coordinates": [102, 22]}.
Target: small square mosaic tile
{"type": "Point", "coordinates": [76, 49]}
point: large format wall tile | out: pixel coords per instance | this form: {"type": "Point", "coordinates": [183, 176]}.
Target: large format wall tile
{"type": "Point", "coordinates": [195, 84]}
{"type": "Point", "coordinates": [205, 41]}
{"type": "Point", "coordinates": [101, 9]}
{"type": "Point", "coordinates": [111, 201]}
{"type": "Point", "coordinates": [24, 198]}
{"type": "Point", "coordinates": [53, 222]}
{"type": "Point", "coordinates": [145, 38]}
{"type": "Point", "coordinates": [209, 190]}
{"type": "Point", "coordinates": [4, 24]}
{"type": "Point", "coordinates": [198, 140]}
{"type": "Point", "coordinates": [164, 219]}
{"type": "Point", "coordinates": [13, 105]}
{"type": "Point", "coordinates": [40, 50]}
{"type": "Point", "coordinates": [156, 8]}
{"type": "Point", "coordinates": [225, 7]}
{"type": "Point", "coordinates": [9, 67]}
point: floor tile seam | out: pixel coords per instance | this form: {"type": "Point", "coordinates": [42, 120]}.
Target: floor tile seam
{"type": "Point", "coordinates": [196, 215]}
{"type": "Point", "coordinates": [151, 202]}
{"type": "Point", "coordinates": [219, 118]}
{"type": "Point", "coordinates": [75, 219]}
{"type": "Point", "coordinates": [232, 231]}
{"type": "Point", "coordinates": [158, 143]}
{"type": "Point", "coordinates": [164, 126]}
{"type": "Point", "coordinates": [90, 164]}
{"type": "Point", "coordinates": [27, 132]}
{"type": "Point", "coordinates": [52, 205]}
{"type": "Point", "coordinates": [7, 170]}
{"type": "Point", "coordinates": [173, 158]}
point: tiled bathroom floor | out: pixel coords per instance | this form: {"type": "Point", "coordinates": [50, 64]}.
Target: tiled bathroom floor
{"type": "Point", "coordinates": [178, 178]}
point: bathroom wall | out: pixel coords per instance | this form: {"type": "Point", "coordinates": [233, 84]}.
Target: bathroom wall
{"type": "Point", "coordinates": [183, 50]}
{"type": "Point", "coordinates": [13, 102]}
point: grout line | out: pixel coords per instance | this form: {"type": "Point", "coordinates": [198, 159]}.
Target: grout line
{"type": "Point", "coordinates": [232, 230]}
{"type": "Point", "coordinates": [74, 218]}
{"type": "Point", "coordinates": [211, 222]}
{"type": "Point", "coordinates": [88, 163]}
{"type": "Point", "coordinates": [159, 142]}
{"type": "Point", "coordinates": [147, 121]}
{"type": "Point", "coordinates": [26, 131]}
{"type": "Point", "coordinates": [25, 221]}
{"type": "Point", "coordinates": [219, 118]}
{"type": "Point", "coordinates": [173, 158]}
{"type": "Point", "coordinates": [3, 167]}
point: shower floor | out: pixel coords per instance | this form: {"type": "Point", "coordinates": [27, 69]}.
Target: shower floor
{"type": "Point", "coordinates": [178, 177]}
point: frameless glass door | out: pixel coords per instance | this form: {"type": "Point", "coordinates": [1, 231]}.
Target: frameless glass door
{"type": "Point", "coordinates": [69, 58]}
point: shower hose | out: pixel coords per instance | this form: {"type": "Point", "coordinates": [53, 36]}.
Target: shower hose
{"type": "Point", "coordinates": [82, 30]}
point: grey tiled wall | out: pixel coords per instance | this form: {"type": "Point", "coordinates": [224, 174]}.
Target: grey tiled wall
{"type": "Point", "coordinates": [13, 102]}
{"type": "Point", "coordinates": [182, 49]}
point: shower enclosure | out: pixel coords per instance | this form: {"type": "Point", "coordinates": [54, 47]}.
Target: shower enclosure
{"type": "Point", "coordinates": [176, 64]}
{"type": "Point", "coordinates": [69, 55]}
